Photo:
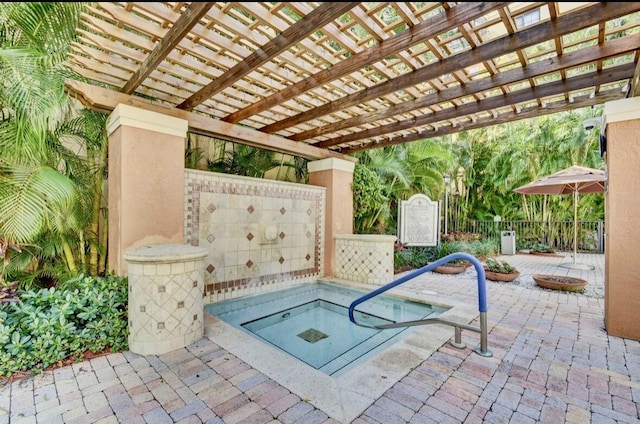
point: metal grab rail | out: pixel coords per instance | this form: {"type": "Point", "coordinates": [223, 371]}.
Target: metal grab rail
{"type": "Point", "coordinates": [482, 303]}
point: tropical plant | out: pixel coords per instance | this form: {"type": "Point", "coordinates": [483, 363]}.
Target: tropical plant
{"type": "Point", "coordinates": [7, 251]}
{"type": "Point", "coordinates": [479, 248]}
{"type": "Point", "coordinates": [399, 172]}
{"type": "Point", "coordinates": [492, 161]}
{"type": "Point", "coordinates": [49, 325]}
{"type": "Point", "coordinates": [499, 266]}
{"type": "Point", "coordinates": [193, 155]}
{"type": "Point", "coordinates": [244, 160]}
{"type": "Point", "coordinates": [371, 205]}
{"type": "Point", "coordinates": [447, 248]}
{"type": "Point", "coordinates": [54, 160]}
{"type": "Point", "coordinates": [240, 159]}
{"type": "Point", "coordinates": [542, 248]}
{"type": "Point", "coordinates": [412, 257]}
{"type": "Point", "coordinates": [6, 248]}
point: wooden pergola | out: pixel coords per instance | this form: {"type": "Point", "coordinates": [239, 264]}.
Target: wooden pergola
{"type": "Point", "coordinates": [321, 80]}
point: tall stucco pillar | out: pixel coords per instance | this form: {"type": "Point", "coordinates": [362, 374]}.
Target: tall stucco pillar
{"type": "Point", "coordinates": [146, 181]}
{"type": "Point", "coordinates": [337, 176]}
{"type": "Point", "coordinates": [622, 230]}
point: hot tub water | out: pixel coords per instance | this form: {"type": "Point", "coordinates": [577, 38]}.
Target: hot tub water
{"type": "Point", "coordinates": [310, 322]}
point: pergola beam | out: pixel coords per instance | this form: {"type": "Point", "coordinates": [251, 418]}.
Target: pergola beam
{"type": "Point", "coordinates": [548, 90]}
{"type": "Point", "coordinates": [188, 19]}
{"type": "Point", "coordinates": [105, 100]}
{"type": "Point", "coordinates": [361, 78]}
{"type": "Point", "coordinates": [555, 107]}
{"type": "Point", "coordinates": [318, 18]}
{"type": "Point", "coordinates": [583, 18]}
{"type": "Point", "coordinates": [425, 30]}
{"type": "Point", "coordinates": [535, 70]}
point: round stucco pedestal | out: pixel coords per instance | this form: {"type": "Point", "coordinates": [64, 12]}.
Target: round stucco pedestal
{"type": "Point", "coordinates": [165, 297]}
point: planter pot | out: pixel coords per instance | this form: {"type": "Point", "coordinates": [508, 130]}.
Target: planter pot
{"type": "Point", "coordinates": [554, 255]}
{"type": "Point", "coordinates": [498, 276]}
{"type": "Point", "coordinates": [559, 282]}
{"type": "Point", "coordinates": [451, 268]}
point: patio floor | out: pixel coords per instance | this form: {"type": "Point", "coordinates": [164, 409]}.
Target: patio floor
{"type": "Point", "coordinates": [552, 363]}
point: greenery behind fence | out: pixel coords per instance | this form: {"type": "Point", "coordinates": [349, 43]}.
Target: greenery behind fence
{"type": "Point", "coordinates": [556, 234]}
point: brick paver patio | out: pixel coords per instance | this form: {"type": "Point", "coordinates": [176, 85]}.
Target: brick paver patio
{"type": "Point", "coordinates": [552, 363]}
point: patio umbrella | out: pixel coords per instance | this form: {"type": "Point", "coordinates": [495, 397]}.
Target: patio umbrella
{"type": "Point", "coordinates": [574, 180]}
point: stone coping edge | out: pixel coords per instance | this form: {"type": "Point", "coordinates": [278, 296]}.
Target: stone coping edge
{"type": "Point", "coordinates": [371, 237]}
{"type": "Point", "coordinates": [161, 253]}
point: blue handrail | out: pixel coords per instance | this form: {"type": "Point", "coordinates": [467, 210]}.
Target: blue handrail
{"type": "Point", "coordinates": [482, 301]}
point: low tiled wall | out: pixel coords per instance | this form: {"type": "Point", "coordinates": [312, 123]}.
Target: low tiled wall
{"type": "Point", "coordinates": [366, 258]}
{"type": "Point", "coordinates": [165, 297]}
{"type": "Point", "coordinates": [259, 234]}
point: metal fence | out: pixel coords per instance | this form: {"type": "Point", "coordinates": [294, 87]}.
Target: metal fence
{"type": "Point", "coordinates": [557, 234]}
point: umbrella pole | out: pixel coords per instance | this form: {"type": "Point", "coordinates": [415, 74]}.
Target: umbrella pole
{"type": "Point", "coordinates": [573, 263]}
{"type": "Point", "coordinates": [575, 224]}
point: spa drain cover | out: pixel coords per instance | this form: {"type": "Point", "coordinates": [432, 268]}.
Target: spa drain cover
{"type": "Point", "coordinates": [312, 335]}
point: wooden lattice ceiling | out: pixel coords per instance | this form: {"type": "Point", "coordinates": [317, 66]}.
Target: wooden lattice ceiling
{"type": "Point", "coordinates": [342, 77]}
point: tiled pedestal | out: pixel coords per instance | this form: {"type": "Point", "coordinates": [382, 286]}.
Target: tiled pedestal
{"type": "Point", "coordinates": [165, 297]}
{"type": "Point", "coordinates": [366, 258]}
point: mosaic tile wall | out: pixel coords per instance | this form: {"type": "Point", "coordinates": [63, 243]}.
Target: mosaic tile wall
{"type": "Point", "coordinates": [261, 234]}
{"type": "Point", "coordinates": [366, 258]}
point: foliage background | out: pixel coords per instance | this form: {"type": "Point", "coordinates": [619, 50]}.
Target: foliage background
{"type": "Point", "coordinates": [485, 166]}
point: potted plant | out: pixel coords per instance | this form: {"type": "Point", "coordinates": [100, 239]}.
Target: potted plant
{"type": "Point", "coordinates": [456, 266]}
{"type": "Point", "coordinates": [542, 250]}
{"type": "Point", "coordinates": [496, 270]}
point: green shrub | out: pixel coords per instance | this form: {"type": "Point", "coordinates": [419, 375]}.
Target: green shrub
{"type": "Point", "coordinates": [413, 256]}
{"type": "Point", "coordinates": [501, 267]}
{"type": "Point", "coordinates": [542, 248]}
{"type": "Point", "coordinates": [370, 204]}
{"type": "Point", "coordinates": [406, 257]}
{"type": "Point", "coordinates": [479, 248]}
{"type": "Point", "coordinates": [49, 325]}
{"type": "Point", "coordinates": [460, 236]}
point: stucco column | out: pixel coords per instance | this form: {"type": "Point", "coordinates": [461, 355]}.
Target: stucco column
{"type": "Point", "coordinates": [146, 181]}
{"type": "Point", "coordinates": [337, 176]}
{"type": "Point", "coordinates": [622, 231]}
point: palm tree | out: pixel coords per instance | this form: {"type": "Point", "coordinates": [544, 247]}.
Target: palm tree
{"type": "Point", "coordinates": [402, 171]}
{"type": "Point", "coordinates": [473, 150]}
{"type": "Point", "coordinates": [244, 160]}
{"type": "Point", "coordinates": [495, 160]}
{"type": "Point", "coordinates": [48, 187]}
{"type": "Point", "coordinates": [240, 159]}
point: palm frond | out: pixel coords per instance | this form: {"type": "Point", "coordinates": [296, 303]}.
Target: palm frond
{"type": "Point", "coordinates": [28, 197]}
{"type": "Point", "coordinates": [22, 143]}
